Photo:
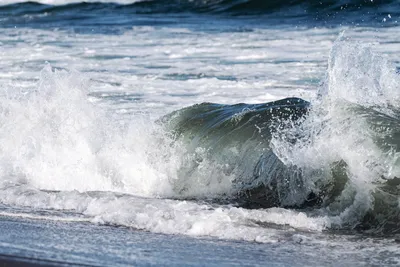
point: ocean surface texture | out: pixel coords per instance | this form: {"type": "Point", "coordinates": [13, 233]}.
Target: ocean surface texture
{"type": "Point", "coordinates": [200, 132]}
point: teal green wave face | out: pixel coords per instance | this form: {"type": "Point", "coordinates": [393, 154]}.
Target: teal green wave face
{"type": "Point", "coordinates": [233, 142]}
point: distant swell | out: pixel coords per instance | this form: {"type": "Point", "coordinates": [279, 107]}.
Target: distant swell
{"type": "Point", "coordinates": [356, 11]}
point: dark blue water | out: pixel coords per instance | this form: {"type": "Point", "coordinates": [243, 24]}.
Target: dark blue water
{"type": "Point", "coordinates": [222, 14]}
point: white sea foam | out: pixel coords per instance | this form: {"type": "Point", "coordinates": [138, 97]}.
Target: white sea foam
{"type": "Point", "coordinates": [55, 139]}
{"type": "Point", "coordinates": [163, 215]}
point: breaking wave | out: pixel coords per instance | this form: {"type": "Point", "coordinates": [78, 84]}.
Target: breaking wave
{"type": "Point", "coordinates": [338, 156]}
{"type": "Point", "coordinates": [217, 170]}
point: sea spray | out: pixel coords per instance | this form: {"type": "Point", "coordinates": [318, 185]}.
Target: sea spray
{"type": "Point", "coordinates": [53, 138]}
{"type": "Point", "coordinates": [350, 125]}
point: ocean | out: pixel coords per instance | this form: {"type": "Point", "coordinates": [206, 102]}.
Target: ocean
{"type": "Point", "coordinates": [200, 132]}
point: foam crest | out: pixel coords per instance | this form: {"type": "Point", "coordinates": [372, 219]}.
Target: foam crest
{"type": "Point", "coordinates": [53, 138]}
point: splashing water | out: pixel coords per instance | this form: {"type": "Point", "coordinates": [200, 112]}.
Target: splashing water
{"type": "Point", "coordinates": [350, 136]}
{"type": "Point", "coordinates": [53, 138]}
{"type": "Point", "coordinates": [61, 151]}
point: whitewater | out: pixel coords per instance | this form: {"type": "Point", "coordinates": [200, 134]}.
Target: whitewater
{"type": "Point", "coordinates": [104, 135]}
